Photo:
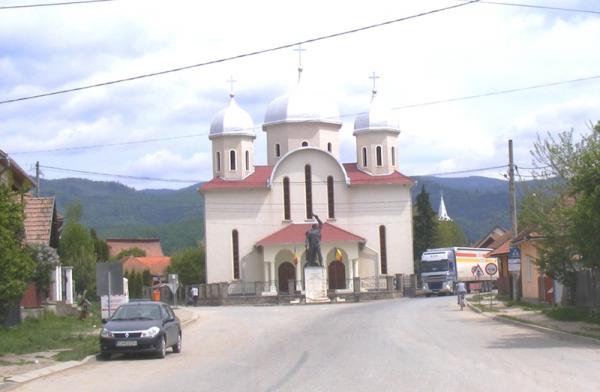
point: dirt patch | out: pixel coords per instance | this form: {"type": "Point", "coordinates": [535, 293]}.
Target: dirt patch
{"type": "Point", "coordinates": [12, 365]}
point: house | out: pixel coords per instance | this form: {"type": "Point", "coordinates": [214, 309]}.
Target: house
{"type": "Point", "coordinates": [151, 246]}
{"type": "Point", "coordinates": [13, 175]}
{"type": "Point", "coordinates": [490, 237]}
{"type": "Point", "coordinates": [256, 216]}
{"type": "Point", "coordinates": [501, 246]}
{"type": "Point", "coordinates": [535, 285]}
{"type": "Point", "coordinates": [157, 265]}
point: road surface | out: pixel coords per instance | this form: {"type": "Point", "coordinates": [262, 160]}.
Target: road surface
{"type": "Point", "coordinates": [420, 344]}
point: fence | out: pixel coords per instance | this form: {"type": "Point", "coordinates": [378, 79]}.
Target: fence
{"type": "Point", "coordinates": [587, 288]}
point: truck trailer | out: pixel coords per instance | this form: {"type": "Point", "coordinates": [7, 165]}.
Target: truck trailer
{"type": "Point", "coordinates": [443, 268]}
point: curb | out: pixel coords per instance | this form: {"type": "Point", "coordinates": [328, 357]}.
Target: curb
{"type": "Point", "coordinates": [537, 327]}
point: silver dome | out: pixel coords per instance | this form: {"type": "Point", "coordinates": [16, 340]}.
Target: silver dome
{"type": "Point", "coordinates": [376, 118]}
{"type": "Point", "coordinates": [232, 120]}
{"type": "Point", "coordinates": [299, 106]}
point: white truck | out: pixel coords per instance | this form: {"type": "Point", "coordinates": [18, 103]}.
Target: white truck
{"type": "Point", "coordinates": [443, 268]}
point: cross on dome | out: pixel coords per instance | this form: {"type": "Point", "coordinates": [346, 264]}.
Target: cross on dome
{"type": "Point", "coordinates": [374, 77]}
{"type": "Point", "coordinates": [299, 49]}
{"type": "Point", "coordinates": [231, 81]}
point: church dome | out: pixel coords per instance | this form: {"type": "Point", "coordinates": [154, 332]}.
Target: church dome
{"type": "Point", "coordinates": [232, 120]}
{"type": "Point", "coordinates": [376, 118]}
{"type": "Point", "coordinates": [300, 106]}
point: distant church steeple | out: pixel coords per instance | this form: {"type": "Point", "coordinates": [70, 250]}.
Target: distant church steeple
{"type": "Point", "coordinates": [442, 213]}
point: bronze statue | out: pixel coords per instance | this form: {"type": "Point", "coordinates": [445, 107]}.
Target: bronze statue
{"type": "Point", "coordinates": [313, 244]}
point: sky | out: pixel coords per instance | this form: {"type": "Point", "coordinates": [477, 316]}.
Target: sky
{"type": "Point", "coordinates": [475, 49]}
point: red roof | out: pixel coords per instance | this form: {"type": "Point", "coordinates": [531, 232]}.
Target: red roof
{"type": "Point", "coordinates": [39, 213]}
{"type": "Point", "coordinates": [295, 233]}
{"type": "Point", "coordinates": [149, 245]}
{"type": "Point", "coordinates": [258, 179]}
{"type": "Point", "coordinates": [501, 250]}
{"type": "Point", "coordinates": [358, 177]}
{"type": "Point", "coordinates": [156, 265]}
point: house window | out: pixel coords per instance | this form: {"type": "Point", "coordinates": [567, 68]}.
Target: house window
{"type": "Point", "coordinates": [286, 199]}
{"type": "Point", "coordinates": [529, 269]}
{"type": "Point", "coordinates": [305, 144]}
{"type": "Point", "coordinates": [379, 156]}
{"type": "Point", "coordinates": [232, 160]}
{"type": "Point", "coordinates": [382, 250]}
{"type": "Point", "coordinates": [247, 160]}
{"type": "Point", "coordinates": [328, 147]}
{"type": "Point", "coordinates": [218, 158]}
{"type": "Point", "coordinates": [277, 150]}
{"type": "Point", "coordinates": [308, 191]}
{"type": "Point", "coordinates": [330, 198]}
{"type": "Point", "coordinates": [393, 156]}
{"type": "Point", "coordinates": [364, 156]}
{"type": "Point", "coordinates": [235, 244]}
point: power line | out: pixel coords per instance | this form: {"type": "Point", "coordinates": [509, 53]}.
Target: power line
{"type": "Point", "coordinates": [461, 171]}
{"type": "Point", "coordinates": [545, 7]}
{"type": "Point", "coordinates": [243, 55]}
{"type": "Point", "coordinates": [9, 7]}
{"type": "Point", "coordinates": [410, 106]}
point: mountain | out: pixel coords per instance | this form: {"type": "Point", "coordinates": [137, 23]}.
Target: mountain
{"type": "Point", "coordinates": [477, 204]}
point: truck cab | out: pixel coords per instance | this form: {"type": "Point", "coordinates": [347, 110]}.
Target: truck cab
{"type": "Point", "coordinates": [438, 271]}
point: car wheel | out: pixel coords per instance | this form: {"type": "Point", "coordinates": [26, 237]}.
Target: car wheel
{"type": "Point", "coordinates": [177, 346]}
{"type": "Point", "coordinates": [105, 356]}
{"type": "Point", "coordinates": [162, 348]}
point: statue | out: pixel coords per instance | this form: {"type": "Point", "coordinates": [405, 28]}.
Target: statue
{"type": "Point", "coordinates": [313, 244]}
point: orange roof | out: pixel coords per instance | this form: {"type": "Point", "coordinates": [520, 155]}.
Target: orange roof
{"type": "Point", "coordinates": [149, 245]}
{"type": "Point", "coordinates": [156, 265]}
{"type": "Point", "coordinates": [39, 212]}
{"type": "Point", "coordinates": [295, 233]}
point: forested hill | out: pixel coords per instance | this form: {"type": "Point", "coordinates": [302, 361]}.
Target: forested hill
{"type": "Point", "coordinates": [477, 204]}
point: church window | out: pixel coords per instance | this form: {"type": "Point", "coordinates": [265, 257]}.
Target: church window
{"type": "Point", "coordinates": [247, 160]}
{"type": "Point", "coordinates": [305, 144]}
{"type": "Point", "coordinates": [277, 150]}
{"type": "Point", "coordinates": [383, 250]}
{"type": "Point", "coordinates": [330, 198]}
{"type": "Point", "coordinates": [232, 162]}
{"type": "Point", "coordinates": [364, 156]}
{"type": "Point", "coordinates": [393, 156]}
{"type": "Point", "coordinates": [379, 156]}
{"type": "Point", "coordinates": [286, 199]}
{"type": "Point", "coordinates": [308, 190]}
{"type": "Point", "coordinates": [218, 158]}
{"type": "Point", "coordinates": [328, 147]}
{"type": "Point", "coordinates": [235, 244]}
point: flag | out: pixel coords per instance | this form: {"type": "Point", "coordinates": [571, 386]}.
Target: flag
{"type": "Point", "coordinates": [338, 254]}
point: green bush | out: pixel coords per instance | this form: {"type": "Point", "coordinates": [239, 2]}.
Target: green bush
{"type": "Point", "coordinates": [573, 314]}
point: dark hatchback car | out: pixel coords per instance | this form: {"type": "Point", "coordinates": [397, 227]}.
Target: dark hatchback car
{"type": "Point", "coordinates": [141, 327]}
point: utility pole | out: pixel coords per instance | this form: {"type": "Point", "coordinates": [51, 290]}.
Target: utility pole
{"type": "Point", "coordinates": [37, 179]}
{"type": "Point", "coordinates": [513, 209]}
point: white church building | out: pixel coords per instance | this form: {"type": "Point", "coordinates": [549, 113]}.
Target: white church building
{"type": "Point", "coordinates": [256, 217]}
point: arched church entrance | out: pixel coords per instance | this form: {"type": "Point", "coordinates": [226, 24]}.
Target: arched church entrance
{"type": "Point", "coordinates": [337, 275]}
{"type": "Point", "coordinates": [286, 272]}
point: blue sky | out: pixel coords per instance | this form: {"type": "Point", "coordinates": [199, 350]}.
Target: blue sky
{"type": "Point", "coordinates": [475, 49]}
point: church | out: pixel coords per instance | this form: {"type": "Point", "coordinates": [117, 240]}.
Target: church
{"type": "Point", "coordinates": [257, 216]}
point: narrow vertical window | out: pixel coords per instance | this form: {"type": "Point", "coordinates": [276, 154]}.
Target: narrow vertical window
{"type": "Point", "coordinates": [383, 250]}
{"type": "Point", "coordinates": [286, 199]}
{"type": "Point", "coordinates": [330, 198]}
{"type": "Point", "coordinates": [328, 147]}
{"type": "Point", "coordinates": [218, 161]}
{"type": "Point", "coordinates": [393, 156]}
{"type": "Point", "coordinates": [247, 160]}
{"type": "Point", "coordinates": [364, 156]}
{"type": "Point", "coordinates": [277, 150]}
{"type": "Point", "coordinates": [379, 156]}
{"type": "Point", "coordinates": [304, 144]}
{"type": "Point", "coordinates": [232, 160]}
{"type": "Point", "coordinates": [235, 244]}
{"type": "Point", "coordinates": [308, 190]}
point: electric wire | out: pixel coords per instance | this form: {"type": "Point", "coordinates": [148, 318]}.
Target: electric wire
{"type": "Point", "coordinates": [9, 7]}
{"type": "Point", "coordinates": [242, 55]}
{"type": "Point", "coordinates": [544, 7]}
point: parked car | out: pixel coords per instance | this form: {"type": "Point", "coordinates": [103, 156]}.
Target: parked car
{"type": "Point", "coordinates": [141, 326]}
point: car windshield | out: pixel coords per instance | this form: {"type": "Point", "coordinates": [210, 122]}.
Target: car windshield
{"type": "Point", "coordinates": [434, 266]}
{"type": "Point", "coordinates": [137, 312]}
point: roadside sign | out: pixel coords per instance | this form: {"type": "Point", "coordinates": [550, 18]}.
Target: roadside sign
{"type": "Point", "coordinates": [514, 259]}
{"type": "Point", "coordinates": [514, 253]}
{"type": "Point", "coordinates": [491, 269]}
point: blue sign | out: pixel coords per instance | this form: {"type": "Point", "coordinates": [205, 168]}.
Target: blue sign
{"type": "Point", "coordinates": [514, 253]}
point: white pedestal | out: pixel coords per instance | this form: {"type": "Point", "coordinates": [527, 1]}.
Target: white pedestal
{"type": "Point", "coordinates": [316, 285]}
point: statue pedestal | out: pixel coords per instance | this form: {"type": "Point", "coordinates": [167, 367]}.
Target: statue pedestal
{"type": "Point", "coordinates": [315, 285]}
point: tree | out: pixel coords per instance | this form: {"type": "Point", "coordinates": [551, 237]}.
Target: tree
{"type": "Point", "coordinates": [76, 248]}
{"type": "Point", "coordinates": [135, 251]}
{"type": "Point", "coordinates": [449, 233]}
{"type": "Point", "coordinates": [46, 259]}
{"type": "Point", "coordinates": [564, 210]}
{"type": "Point", "coordinates": [189, 263]}
{"type": "Point", "coordinates": [100, 247]}
{"type": "Point", "coordinates": [424, 226]}
{"type": "Point", "coordinates": [16, 266]}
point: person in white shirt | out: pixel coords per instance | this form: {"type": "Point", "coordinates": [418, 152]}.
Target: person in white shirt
{"type": "Point", "coordinates": [461, 290]}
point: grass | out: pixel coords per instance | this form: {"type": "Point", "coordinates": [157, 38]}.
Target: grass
{"type": "Point", "coordinates": [573, 314]}
{"type": "Point", "coordinates": [78, 338]}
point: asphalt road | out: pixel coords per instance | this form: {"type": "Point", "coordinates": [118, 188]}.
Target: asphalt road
{"type": "Point", "coordinates": [421, 344]}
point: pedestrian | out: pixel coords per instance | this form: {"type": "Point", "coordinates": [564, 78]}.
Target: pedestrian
{"type": "Point", "coordinates": [195, 295]}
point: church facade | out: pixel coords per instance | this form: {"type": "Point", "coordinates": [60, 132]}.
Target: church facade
{"type": "Point", "coordinates": [256, 217]}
